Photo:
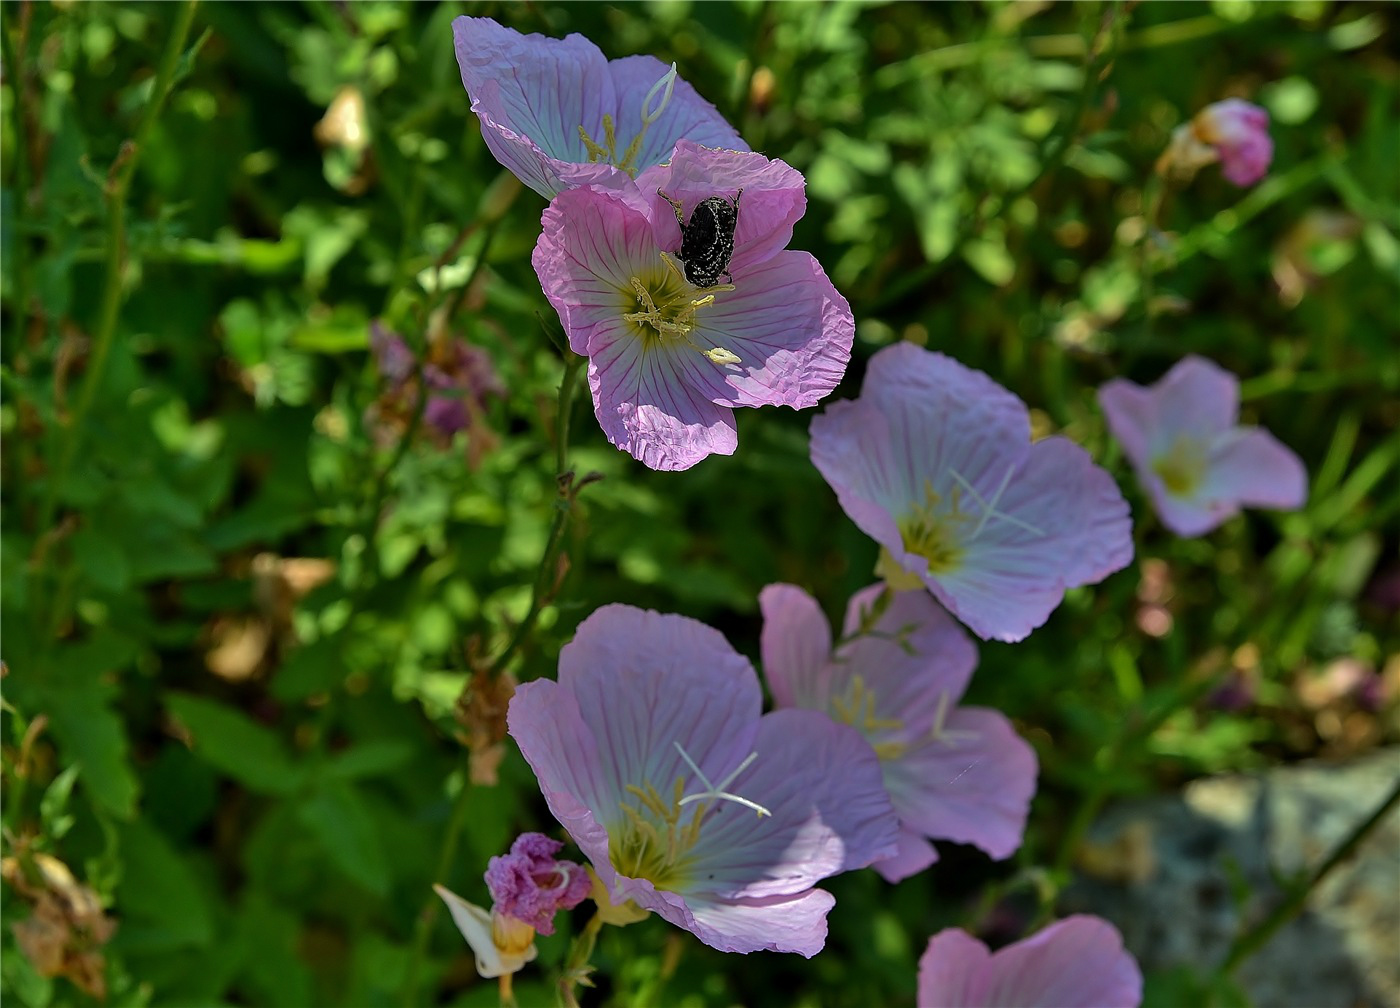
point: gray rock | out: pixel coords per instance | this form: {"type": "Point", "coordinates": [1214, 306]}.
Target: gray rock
{"type": "Point", "coordinates": [1178, 875]}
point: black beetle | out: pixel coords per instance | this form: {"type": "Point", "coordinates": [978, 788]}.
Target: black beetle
{"type": "Point", "coordinates": [707, 240]}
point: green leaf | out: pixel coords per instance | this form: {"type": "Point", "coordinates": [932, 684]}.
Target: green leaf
{"type": "Point", "coordinates": [163, 904]}
{"type": "Point", "coordinates": [53, 807]}
{"type": "Point", "coordinates": [91, 735]}
{"type": "Point", "coordinates": [232, 742]}
{"type": "Point", "coordinates": [102, 559]}
{"type": "Point", "coordinates": [370, 759]}
{"type": "Point", "coordinates": [337, 817]}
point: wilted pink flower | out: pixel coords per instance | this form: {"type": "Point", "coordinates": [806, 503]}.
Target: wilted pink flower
{"type": "Point", "coordinates": [668, 360]}
{"type": "Point", "coordinates": [530, 885]}
{"type": "Point", "coordinates": [1198, 467]}
{"type": "Point", "coordinates": [559, 114]}
{"type": "Point", "coordinates": [934, 461]}
{"type": "Point", "coordinates": [953, 773]}
{"type": "Point", "coordinates": [1233, 132]}
{"type": "Point", "coordinates": [651, 751]}
{"type": "Point", "coordinates": [1078, 962]}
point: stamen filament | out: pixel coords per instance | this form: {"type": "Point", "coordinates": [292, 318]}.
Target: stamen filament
{"type": "Point", "coordinates": [711, 791]}
{"type": "Point", "coordinates": [989, 510]}
{"type": "Point", "coordinates": [669, 82]}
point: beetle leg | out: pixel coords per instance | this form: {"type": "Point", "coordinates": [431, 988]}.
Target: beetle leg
{"type": "Point", "coordinates": [680, 212]}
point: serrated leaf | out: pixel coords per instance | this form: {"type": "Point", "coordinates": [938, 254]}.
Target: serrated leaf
{"type": "Point", "coordinates": [91, 735]}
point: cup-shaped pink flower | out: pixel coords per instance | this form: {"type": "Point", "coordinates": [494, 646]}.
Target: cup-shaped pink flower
{"type": "Point", "coordinates": [1198, 466]}
{"type": "Point", "coordinates": [935, 462]}
{"type": "Point", "coordinates": [668, 360]}
{"type": "Point", "coordinates": [651, 751]}
{"type": "Point", "coordinates": [953, 773]}
{"type": "Point", "coordinates": [1078, 962]}
{"type": "Point", "coordinates": [559, 114]}
{"type": "Point", "coordinates": [1234, 132]}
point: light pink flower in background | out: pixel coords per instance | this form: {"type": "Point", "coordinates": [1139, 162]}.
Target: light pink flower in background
{"type": "Point", "coordinates": [459, 379]}
{"type": "Point", "coordinates": [1196, 464]}
{"type": "Point", "coordinates": [1234, 132]}
{"type": "Point", "coordinates": [651, 751]}
{"type": "Point", "coordinates": [559, 114]}
{"type": "Point", "coordinates": [953, 773]}
{"type": "Point", "coordinates": [668, 361]}
{"type": "Point", "coordinates": [934, 461]}
{"type": "Point", "coordinates": [1078, 962]}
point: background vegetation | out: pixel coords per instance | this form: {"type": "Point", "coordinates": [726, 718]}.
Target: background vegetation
{"type": "Point", "coordinates": [238, 613]}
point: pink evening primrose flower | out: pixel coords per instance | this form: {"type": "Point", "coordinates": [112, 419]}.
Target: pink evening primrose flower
{"type": "Point", "coordinates": [1078, 962]}
{"type": "Point", "coordinates": [668, 360]}
{"type": "Point", "coordinates": [1234, 132]}
{"type": "Point", "coordinates": [953, 773]}
{"type": "Point", "coordinates": [651, 750]}
{"type": "Point", "coordinates": [1198, 467]}
{"type": "Point", "coordinates": [934, 461]}
{"type": "Point", "coordinates": [559, 114]}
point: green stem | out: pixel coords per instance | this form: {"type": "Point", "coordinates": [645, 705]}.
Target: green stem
{"type": "Point", "coordinates": [370, 523]}
{"type": "Point", "coordinates": [18, 78]}
{"type": "Point", "coordinates": [428, 915]}
{"type": "Point", "coordinates": [118, 184]}
{"type": "Point", "coordinates": [576, 965]}
{"type": "Point", "coordinates": [1250, 941]}
{"type": "Point", "coordinates": [1098, 58]}
{"type": "Point", "coordinates": [541, 590]}
{"type": "Point", "coordinates": [573, 365]}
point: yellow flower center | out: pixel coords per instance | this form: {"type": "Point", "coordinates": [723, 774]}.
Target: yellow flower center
{"type": "Point", "coordinates": [662, 307]}
{"type": "Point", "coordinates": [655, 838]}
{"type": "Point", "coordinates": [1182, 467]}
{"type": "Point", "coordinates": [934, 528]}
{"type": "Point", "coordinates": [856, 707]}
{"type": "Point", "coordinates": [939, 529]}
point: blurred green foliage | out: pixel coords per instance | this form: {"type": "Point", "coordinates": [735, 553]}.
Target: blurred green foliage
{"type": "Point", "coordinates": [237, 615]}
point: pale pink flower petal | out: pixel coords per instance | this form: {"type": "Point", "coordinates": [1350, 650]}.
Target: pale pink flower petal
{"type": "Point", "coordinates": [912, 855]}
{"type": "Point", "coordinates": [1233, 132]}
{"type": "Point", "coordinates": [776, 803]}
{"type": "Point", "coordinates": [1252, 467]}
{"type": "Point", "coordinates": [1239, 130]}
{"type": "Point", "coordinates": [1078, 962]}
{"type": "Point", "coordinates": [533, 93]}
{"type": "Point", "coordinates": [796, 645]}
{"type": "Point", "coordinates": [669, 360]}
{"type": "Point", "coordinates": [774, 198]}
{"type": "Point", "coordinates": [977, 791]}
{"type": "Point", "coordinates": [934, 461]}
{"type": "Point", "coordinates": [1197, 466]}
{"type": "Point", "coordinates": [953, 773]}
